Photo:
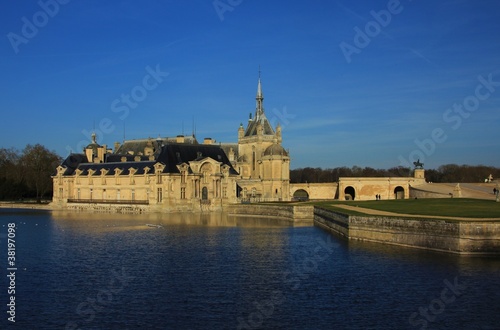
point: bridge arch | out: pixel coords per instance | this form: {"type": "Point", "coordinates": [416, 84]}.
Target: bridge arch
{"type": "Point", "coordinates": [399, 192]}
{"type": "Point", "coordinates": [350, 193]}
{"type": "Point", "coordinates": [301, 195]}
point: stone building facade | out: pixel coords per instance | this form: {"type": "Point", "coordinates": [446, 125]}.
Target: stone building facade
{"type": "Point", "coordinates": [178, 174]}
{"type": "Point", "coordinates": [147, 175]}
{"type": "Point", "coordinates": [260, 159]}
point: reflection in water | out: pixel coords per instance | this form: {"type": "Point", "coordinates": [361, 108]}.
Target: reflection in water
{"type": "Point", "coordinates": [213, 271]}
{"type": "Point", "coordinates": [86, 219]}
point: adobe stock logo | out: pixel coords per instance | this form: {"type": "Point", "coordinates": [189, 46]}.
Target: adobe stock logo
{"type": "Point", "coordinates": [281, 117]}
{"type": "Point", "coordinates": [372, 29]}
{"type": "Point", "coordinates": [221, 6]}
{"type": "Point", "coordinates": [123, 105]}
{"type": "Point", "coordinates": [428, 314]}
{"type": "Point", "coordinates": [40, 19]}
{"type": "Point", "coordinates": [454, 116]}
{"type": "Point", "coordinates": [265, 309]}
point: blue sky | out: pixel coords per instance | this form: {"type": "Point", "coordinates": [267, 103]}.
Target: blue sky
{"type": "Point", "coordinates": [367, 83]}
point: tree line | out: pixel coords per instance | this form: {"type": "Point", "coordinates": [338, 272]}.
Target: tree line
{"type": "Point", "coordinates": [443, 174]}
{"type": "Point", "coordinates": [27, 174]}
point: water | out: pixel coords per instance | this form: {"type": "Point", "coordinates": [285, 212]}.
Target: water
{"type": "Point", "coordinates": [101, 271]}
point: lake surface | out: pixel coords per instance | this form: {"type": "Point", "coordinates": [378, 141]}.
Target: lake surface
{"type": "Point", "coordinates": [103, 271]}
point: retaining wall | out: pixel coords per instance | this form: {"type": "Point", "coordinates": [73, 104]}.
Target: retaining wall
{"type": "Point", "coordinates": [292, 213]}
{"type": "Point", "coordinates": [468, 237]}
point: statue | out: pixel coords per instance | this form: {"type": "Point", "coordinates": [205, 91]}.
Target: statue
{"type": "Point", "coordinates": [418, 164]}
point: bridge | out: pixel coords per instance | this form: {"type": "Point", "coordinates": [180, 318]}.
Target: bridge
{"type": "Point", "coordinates": [306, 191]}
{"type": "Point", "coordinates": [357, 188]}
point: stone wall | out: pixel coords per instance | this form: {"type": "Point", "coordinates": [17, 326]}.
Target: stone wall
{"type": "Point", "coordinates": [333, 221]}
{"type": "Point", "coordinates": [292, 213]}
{"type": "Point", "coordinates": [466, 237]}
{"type": "Point", "coordinates": [420, 193]}
{"type": "Point", "coordinates": [107, 208]}
{"type": "Point", "coordinates": [316, 190]}
{"type": "Point", "coordinates": [188, 206]}
{"type": "Point", "coordinates": [364, 188]}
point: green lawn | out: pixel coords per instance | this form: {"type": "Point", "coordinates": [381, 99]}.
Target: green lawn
{"type": "Point", "coordinates": [452, 207]}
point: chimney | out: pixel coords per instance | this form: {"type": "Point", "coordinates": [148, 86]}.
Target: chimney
{"type": "Point", "coordinates": [180, 139]}
{"type": "Point", "coordinates": [208, 141]}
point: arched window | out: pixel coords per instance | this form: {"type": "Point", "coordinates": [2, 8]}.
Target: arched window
{"type": "Point", "coordinates": [204, 193]}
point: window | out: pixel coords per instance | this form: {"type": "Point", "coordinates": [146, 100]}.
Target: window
{"type": "Point", "coordinates": [133, 194]}
{"type": "Point", "coordinates": [159, 195]}
{"type": "Point", "coordinates": [183, 193]}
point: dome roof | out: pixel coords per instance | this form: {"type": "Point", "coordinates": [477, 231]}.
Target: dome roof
{"type": "Point", "coordinates": [275, 149]}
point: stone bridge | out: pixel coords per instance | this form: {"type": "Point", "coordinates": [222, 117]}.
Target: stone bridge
{"type": "Point", "coordinates": [304, 191]}
{"type": "Point", "coordinates": [369, 188]}
{"type": "Point", "coordinates": [357, 188]}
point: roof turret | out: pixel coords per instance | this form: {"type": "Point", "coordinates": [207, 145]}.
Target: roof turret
{"type": "Point", "coordinates": [260, 117]}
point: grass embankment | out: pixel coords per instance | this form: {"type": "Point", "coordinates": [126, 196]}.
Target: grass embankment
{"type": "Point", "coordinates": [449, 207]}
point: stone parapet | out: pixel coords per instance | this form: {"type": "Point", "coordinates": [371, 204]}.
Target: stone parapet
{"type": "Point", "coordinates": [108, 208]}
{"type": "Point", "coordinates": [464, 237]}
{"type": "Point", "coordinates": [292, 213]}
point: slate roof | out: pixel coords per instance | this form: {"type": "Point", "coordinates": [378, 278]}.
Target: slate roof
{"type": "Point", "coordinates": [136, 147]}
{"type": "Point", "coordinates": [112, 167]}
{"type": "Point", "coordinates": [260, 116]}
{"type": "Point", "coordinates": [72, 161]}
{"type": "Point", "coordinates": [253, 123]}
{"type": "Point", "coordinates": [171, 155]}
{"type": "Point", "coordinates": [227, 147]}
{"type": "Point", "coordinates": [117, 158]}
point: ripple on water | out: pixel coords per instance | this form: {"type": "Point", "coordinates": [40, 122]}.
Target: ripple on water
{"type": "Point", "coordinates": [100, 271]}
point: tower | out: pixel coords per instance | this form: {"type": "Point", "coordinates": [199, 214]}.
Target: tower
{"type": "Point", "coordinates": [264, 164]}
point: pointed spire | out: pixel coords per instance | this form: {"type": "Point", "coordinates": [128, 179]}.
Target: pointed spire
{"type": "Point", "coordinates": [259, 90]}
{"type": "Point", "coordinates": [259, 98]}
{"type": "Point", "coordinates": [260, 122]}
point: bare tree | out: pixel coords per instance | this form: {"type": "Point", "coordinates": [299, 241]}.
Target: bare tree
{"type": "Point", "coordinates": [38, 164]}
{"type": "Point", "coordinates": [9, 165]}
